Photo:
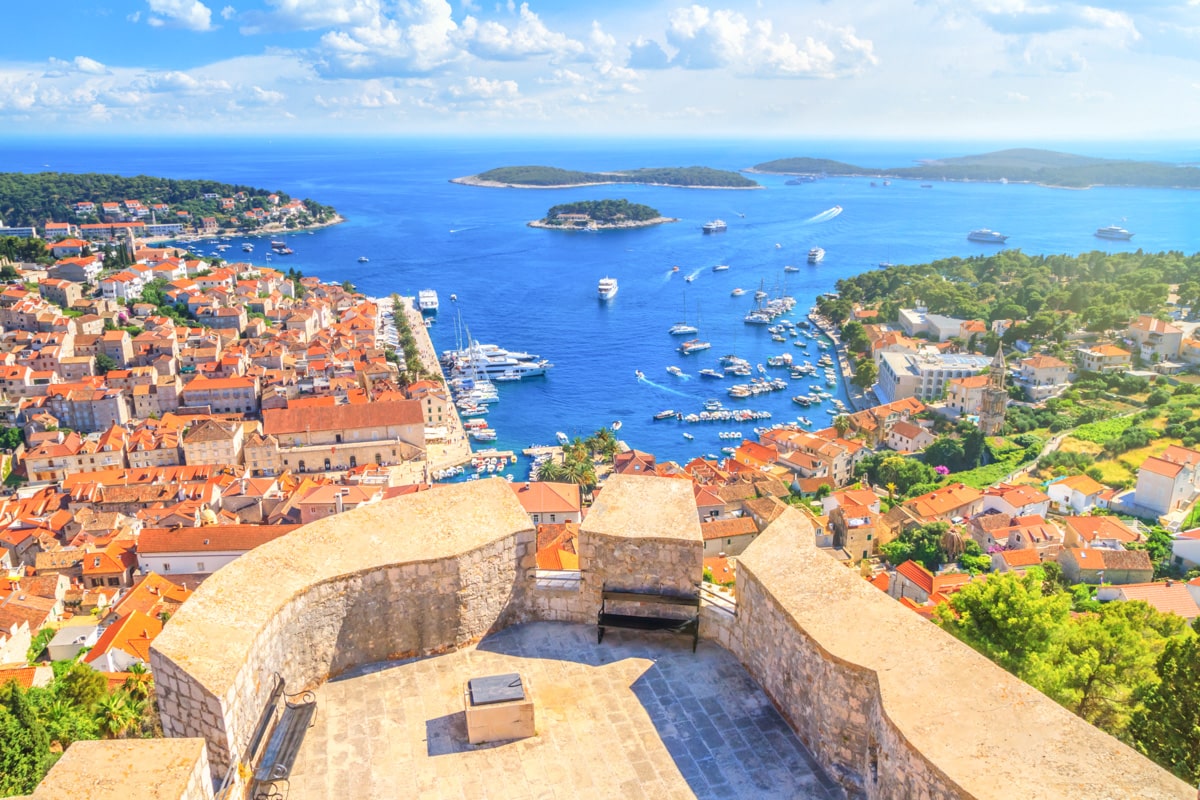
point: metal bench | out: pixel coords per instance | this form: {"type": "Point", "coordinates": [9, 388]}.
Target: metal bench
{"type": "Point", "coordinates": [649, 622]}
{"type": "Point", "coordinates": [279, 755]}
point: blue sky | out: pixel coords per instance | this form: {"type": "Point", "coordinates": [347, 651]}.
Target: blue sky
{"type": "Point", "coordinates": [1023, 70]}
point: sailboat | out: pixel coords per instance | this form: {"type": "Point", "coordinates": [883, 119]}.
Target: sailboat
{"type": "Point", "coordinates": [694, 345]}
{"type": "Point", "coordinates": [682, 328]}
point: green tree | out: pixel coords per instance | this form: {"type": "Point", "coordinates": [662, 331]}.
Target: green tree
{"type": "Point", "coordinates": [116, 713]}
{"type": "Point", "coordinates": [1167, 726]}
{"type": "Point", "coordinates": [922, 544]}
{"type": "Point", "coordinates": [104, 363]}
{"type": "Point", "coordinates": [865, 373]}
{"type": "Point", "coordinates": [25, 755]}
{"type": "Point", "coordinates": [1006, 617]}
{"type": "Point", "coordinates": [82, 685]}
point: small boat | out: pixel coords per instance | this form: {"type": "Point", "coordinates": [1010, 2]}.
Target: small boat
{"type": "Point", "coordinates": [675, 268]}
{"type": "Point", "coordinates": [667, 414]}
{"type": "Point", "coordinates": [986, 236]}
{"type": "Point", "coordinates": [453, 298]}
{"type": "Point", "coordinates": [738, 292]}
{"type": "Point", "coordinates": [363, 259]}
{"type": "Point", "coordinates": [639, 374]}
{"type": "Point", "coordinates": [688, 436]}
{"type": "Point", "coordinates": [720, 267]}
{"type": "Point", "coordinates": [690, 278]}
{"type": "Point", "coordinates": [711, 373]}
{"type": "Point", "coordinates": [616, 426]}
{"type": "Point", "coordinates": [562, 437]}
{"type": "Point", "coordinates": [778, 246]}
{"type": "Point", "coordinates": [676, 371]}
{"type": "Point", "coordinates": [693, 346]}
{"type": "Point", "coordinates": [790, 268]}
{"type": "Point", "coordinates": [247, 247]}
{"type": "Point", "coordinates": [715, 226]}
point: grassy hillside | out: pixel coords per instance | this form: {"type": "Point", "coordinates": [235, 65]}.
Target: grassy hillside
{"type": "Point", "coordinates": [669, 176]}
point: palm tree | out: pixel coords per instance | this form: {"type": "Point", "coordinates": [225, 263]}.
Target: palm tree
{"type": "Point", "coordinates": [891, 487]}
{"type": "Point", "coordinates": [115, 715]}
{"type": "Point", "coordinates": [139, 683]}
{"type": "Point", "coordinates": [552, 471]}
{"type": "Point", "coordinates": [575, 451]}
{"type": "Point", "coordinates": [841, 424]}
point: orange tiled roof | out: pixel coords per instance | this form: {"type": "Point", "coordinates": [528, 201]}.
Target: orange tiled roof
{"type": "Point", "coordinates": [543, 497]}
{"type": "Point", "coordinates": [944, 500]}
{"type": "Point", "coordinates": [131, 634]}
{"type": "Point", "coordinates": [1092, 528]}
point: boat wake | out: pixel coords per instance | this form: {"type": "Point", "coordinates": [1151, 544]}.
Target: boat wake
{"type": "Point", "coordinates": [666, 389]}
{"type": "Point", "coordinates": [460, 230]}
{"type": "Point", "coordinates": [825, 215]}
{"type": "Point", "coordinates": [692, 277]}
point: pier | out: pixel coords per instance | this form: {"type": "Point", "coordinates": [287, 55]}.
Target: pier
{"type": "Point", "coordinates": [859, 400]}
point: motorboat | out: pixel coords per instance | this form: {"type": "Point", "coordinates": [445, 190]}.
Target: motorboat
{"type": "Point", "coordinates": [791, 268]}
{"type": "Point", "coordinates": [676, 371]}
{"type": "Point", "coordinates": [667, 414]}
{"type": "Point", "coordinates": [986, 236]}
{"type": "Point", "coordinates": [715, 226]}
{"type": "Point", "coordinates": [363, 259]}
{"type": "Point", "coordinates": [1114, 232]}
{"type": "Point", "coordinates": [607, 288]}
{"type": "Point", "coordinates": [562, 437]}
{"type": "Point", "coordinates": [816, 255]}
{"type": "Point", "coordinates": [616, 426]}
{"type": "Point", "coordinates": [693, 346]}
{"type": "Point", "coordinates": [639, 374]}
{"type": "Point", "coordinates": [711, 373]}
{"type": "Point", "coordinates": [720, 267]}
{"type": "Point", "coordinates": [427, 301]}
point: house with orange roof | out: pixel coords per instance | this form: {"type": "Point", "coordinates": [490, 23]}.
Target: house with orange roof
{"type": "Point", "coordinates": [913, 582]}
{"type": "Point", "coordinates": [1097, 565]}
{"type": "Point", "coordinates": [709, 503]}
{"type": "Point", "coordinates": [1077, 493]}
{"type": "Point", "coordinates": [329, 499]}
{"type": "Point", "coordinates": [1103, 358]}
{"type": "Point", "coordinates": [1157, 339]}
{"type": "Point", "coordinates": [873, 424]}
{"type": "Point", "coordinates": [951, 503]}
{"type": "Point", "coordinates": [152, 595]}
{"type": "Point", "coordinates": [60, 292]}
{"type": "Point", "coordinates": [1168, 482]}
{"type": "Point", "coordinates": [27, 677]}
{"type": "Point", "coordinates": [1103, 531]}
{"type": "Point", "coordinates": [851, 497]}
{"type": "Point", "coordinates": [906, 437]}
{"type": "Point", "coordinates": [201, 550]}
{"type": "Point", "coordinates": [547, 502]}
{"type": "Point", "coordinates": [1042, 377]}
{"type": "Point", "coordinates": [634, 462]}
{"type": "Point", "coordinates": [1016, 500]}
{"type": "Point", "coordinates": [124, 643]}
{"type": "Point", "coordinates": [558, 546]}
{"type": "Point", "coordinates": [1167, 597]}
{"type": "Point", "coordinates": [857, 530]}
{"type": "Point", "coordinates": [111, 566]}
{"type": "Point", "coordinates": [728, 537]}
{"type": "Point", "coordinates": [1015, 560]}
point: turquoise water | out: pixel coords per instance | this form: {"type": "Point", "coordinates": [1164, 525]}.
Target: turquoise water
{"type": "Point", "coordinates": [535, 290]}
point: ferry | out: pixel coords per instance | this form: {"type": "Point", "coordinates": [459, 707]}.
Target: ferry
{"type": "Point", "coordinates": [816, 255]}
{"type": "Point", "coordinates": [720, 267]}
{"type": "Point", "coordinates": [427, 301]}
{"type": "Point", "coordinates": [1114, 232]}
{"type": "Point", "coordinates": [986, 236]}
{"type": "Point", "coordinates": [607, 288]}
{"type": "Point", "coordinates": [715, 226]}
{"type": "Point", "coordinates": [738, 292]}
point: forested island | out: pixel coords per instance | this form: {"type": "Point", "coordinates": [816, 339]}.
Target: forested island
{"type": "Point", "coordinates": [32, 199]}
{"type": "Point", "coordinates": [538, 177]}
{"type": "Point", "coordinates": [595, 215]}
{"type": "Point", "coordinates": [1021, 165]}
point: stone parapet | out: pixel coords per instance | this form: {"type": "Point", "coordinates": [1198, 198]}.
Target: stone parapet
{"type": "Point", "coordinates": [894, 707]}
{"type": "Point", "coordinates": [154, 769]}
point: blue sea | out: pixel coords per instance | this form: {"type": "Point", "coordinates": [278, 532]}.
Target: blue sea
{"type": "Point", "coordinates": [535, 290]}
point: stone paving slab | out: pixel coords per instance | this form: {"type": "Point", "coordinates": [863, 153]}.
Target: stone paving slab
{"type": "Point", "coordinates": [639, 716]}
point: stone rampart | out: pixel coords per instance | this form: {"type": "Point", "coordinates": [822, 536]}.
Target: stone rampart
{"type": "Point", "coordinates": [893, 706]}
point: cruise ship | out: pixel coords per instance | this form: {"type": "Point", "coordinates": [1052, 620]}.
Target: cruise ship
{"type": "Point", "coordinates": [986, 236]}
{"type": "Point", "coordinates": [607, 289]}
{"type": "Point", "coordinates": [1114, 232]}
{"type": "Point", "coordinates": [715, 226]}
{"type": "Point", "coordinates": [816, 255]}
{"type": "Point", "coordinates": [427, 301]}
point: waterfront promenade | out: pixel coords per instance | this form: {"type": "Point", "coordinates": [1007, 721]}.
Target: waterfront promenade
{"type": "Point", "coordinates": [455, 448]}
{"type": "Point", "coordinates": [859, 400]}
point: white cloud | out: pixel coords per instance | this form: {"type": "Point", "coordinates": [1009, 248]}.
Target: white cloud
{"type": "Point", "coordinates": [228, 12]}
{"type": "Point", "coordinates": [315, 14]}
{"type": "Point", "coordinates": [483, 89]}
{"type": "Point", "coordinates": [266, 97]}
{"type": "Point", "coordinates": [190, 14]}
{"type": "Point", "coordinates": [90, 66]}
{"type": "Point", "coordinates": [391, 45]}
{"type": "Point", "coordinates": [528, 37]}
{"type": "Point", "coordinates": [177, 82]}
{"type": "Point", "coordinates": [707, 39]}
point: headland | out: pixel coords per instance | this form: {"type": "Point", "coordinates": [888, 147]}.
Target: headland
{"type": "Point", "coordinates": [542, 177]}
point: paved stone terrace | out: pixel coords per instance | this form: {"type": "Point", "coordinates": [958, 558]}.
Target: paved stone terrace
{"type": "Point", "coordinates": [638, 716]}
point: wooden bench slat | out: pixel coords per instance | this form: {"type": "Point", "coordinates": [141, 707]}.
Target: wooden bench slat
{"type": "Point", "coordinates": [646, 597]}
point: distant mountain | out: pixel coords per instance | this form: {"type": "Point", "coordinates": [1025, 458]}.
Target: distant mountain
{"type": "Point", "coordinates": [1027, 165]}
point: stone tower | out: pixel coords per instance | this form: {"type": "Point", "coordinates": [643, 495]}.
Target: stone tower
{"type": "Point", "coordinates": [995, 398]}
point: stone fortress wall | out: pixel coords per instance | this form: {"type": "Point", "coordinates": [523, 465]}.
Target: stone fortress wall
{"type": "Point", "coordinates": [890, 705]}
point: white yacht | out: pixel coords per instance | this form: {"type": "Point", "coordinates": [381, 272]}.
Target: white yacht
{"type": "Point", "coordinates": [986, 236]}
{"type": "Point", "coordinates": [490, 361]}
{"type": "Point", "coordinates": [607, 288]}
{"type": "Point", "coordinates": [720, 267]}
{"type": "Point", "coordinates": [816, 255]}
{"type": "Point", "coordinates": [1114, 232]}
{"type": "Point", "coordinates": [683, 329]}
{"type": "Point", "coordinates": [715, 226]}
{"type": "Point", "coordinates": [427, 301]}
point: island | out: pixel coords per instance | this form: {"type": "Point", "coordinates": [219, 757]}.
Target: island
{"type": "Point", "coordinates": [1020, 165]}
{"type": "Point", "coordinates": [597, 215]}
{"type": "Point", "coordinates": [150, 208]}
{"type": "Point", "coordinates": [538, 177]}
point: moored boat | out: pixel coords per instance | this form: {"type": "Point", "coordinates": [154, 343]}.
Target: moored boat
{"type": "Point", "coordinates": [816, 255]}
{"type": "Point", "coordinates": [715, 226]}
{"type": "Point", "coordinates": [986, 236]}
{"type": "Point", "coordinates": [607, 288]}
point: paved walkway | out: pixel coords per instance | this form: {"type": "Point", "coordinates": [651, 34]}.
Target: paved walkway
{"type": "Point", "coordinates": [639, 716]}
